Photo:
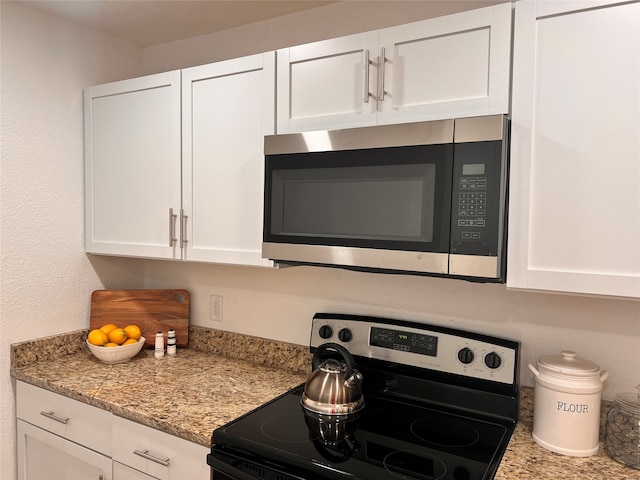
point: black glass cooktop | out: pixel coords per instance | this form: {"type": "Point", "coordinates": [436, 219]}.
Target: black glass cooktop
{"type": "Point", "coordinates": [387, 439]}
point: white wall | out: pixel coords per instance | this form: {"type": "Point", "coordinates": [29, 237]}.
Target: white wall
{"type": "Point", "coordinates": [46, 279]}
{"type": "Point", "coordinates": [280, 304]}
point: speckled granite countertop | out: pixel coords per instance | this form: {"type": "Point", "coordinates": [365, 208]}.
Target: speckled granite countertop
{"type": "Point", "coordinates": [222, 376]}
{"type": "Point", "coordinates": [188, 395]}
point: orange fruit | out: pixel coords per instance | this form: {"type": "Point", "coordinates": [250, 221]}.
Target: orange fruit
{"type": "Point", "coordinates": [133, 331]}
{"type": "Point", "coordinates": [117, 335]}
{"type": "Point", "coordinates": [97, 337]}
{"type": "Point", "coordinates": [130, 341]}
{"type": "Point", "coordinates": [111, 344]}
{"type": "Point", "coordinates": [108, 327]}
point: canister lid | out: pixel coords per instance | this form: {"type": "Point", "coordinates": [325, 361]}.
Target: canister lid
{"type": "Point", "coordinates": [569, 363]}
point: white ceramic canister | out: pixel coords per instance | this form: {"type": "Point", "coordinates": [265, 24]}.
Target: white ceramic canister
{"type": "Point", "coordinates": [566, 407]}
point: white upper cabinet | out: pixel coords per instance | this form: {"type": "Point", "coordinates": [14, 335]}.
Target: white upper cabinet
{"type": "Point", "coordinates": [174, 162]}
{"type": "Point", "coordinates": [132, 165]}
{"type": "Point", "coordinates": [227, 109]}
{"type": "Point", "coordinates": [453, 66]}
{"type": "Point", "coordinates": [574, 222]}
{"type": "Point", "coordinates": [324, 84]}
{"type": "Point", "coordinates": [456, 65]}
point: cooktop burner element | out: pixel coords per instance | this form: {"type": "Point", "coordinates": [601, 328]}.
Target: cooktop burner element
{"type": "Point", "coordinates": [272, 428]}
{"type": "Point", "coordinates": [428, 415]}
{"type": "Point", "coordinates": [445, 432]}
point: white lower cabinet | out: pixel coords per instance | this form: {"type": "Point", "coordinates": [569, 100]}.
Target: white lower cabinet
{"type": "Point", "coordinates": [65, 417]}
{"type": "Point", "coordinates": [63, 439]}
{"type": "Point", "coordinates": [43, 455]}
{"type": "Point", "coordinates": [156, 453]}
{"type": "Point", "coordinates": [60, 438]}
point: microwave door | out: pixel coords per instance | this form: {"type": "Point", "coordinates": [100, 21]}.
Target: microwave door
{"type": "Point", "coordinates": [385, 208]}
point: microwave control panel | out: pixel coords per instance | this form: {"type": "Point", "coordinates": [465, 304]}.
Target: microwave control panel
{"type": "Point", "coordinates": [476, 198]}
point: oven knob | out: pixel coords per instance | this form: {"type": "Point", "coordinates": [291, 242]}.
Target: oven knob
{"type": "Point", "coordinates": [466, 355]}
{"type": "Point", "coordinates": [345, 335]}
{"type": "Point", "coordinates": [325, 331]}
{"type": "Point", "coordinates": [492, 360]}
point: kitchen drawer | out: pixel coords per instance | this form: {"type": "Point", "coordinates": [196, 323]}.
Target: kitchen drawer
{"type": "Point", "coordinates": [158, 454]}
{"type": "Point", "coordinates": [68, 418]}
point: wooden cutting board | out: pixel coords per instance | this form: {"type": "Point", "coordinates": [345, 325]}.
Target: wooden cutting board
{"type": "Point", "coordinates": [152, 310]}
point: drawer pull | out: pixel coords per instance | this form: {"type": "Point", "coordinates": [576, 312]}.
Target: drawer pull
{"type": "Point", "coordinates": [55, 417]}
{"type": "Point", "coordinates": [148, 456]}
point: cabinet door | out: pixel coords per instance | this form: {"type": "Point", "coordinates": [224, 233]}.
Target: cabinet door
{"type": "Point", "coordinates": [43, 455]}
{"type": "Point", "coordinates": [326, 85]}
{"type": "Point", "coordinates": [228, 108]}
{"type": "Point", "coordinates": [450, 66]}
{"type": "Point", "coordinates": [132, 166]}
{"type": "Point", "coordinates": [574, 222]}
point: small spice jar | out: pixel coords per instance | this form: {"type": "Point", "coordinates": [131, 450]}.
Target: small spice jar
{"type": "Point", "coordinates": [622, 439]}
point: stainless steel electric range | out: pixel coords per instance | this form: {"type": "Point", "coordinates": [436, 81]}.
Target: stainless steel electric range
{"type": "Point", "coordinates": [439, 403]}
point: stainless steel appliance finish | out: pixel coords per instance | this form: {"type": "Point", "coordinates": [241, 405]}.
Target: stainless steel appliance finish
{"type": "Point", "coordinates": [401, 135]}
{"type": "Point", "coordinates": [463, 204]}
{"type": "Point", "coordinates": [425, 262]}
{"type": "Point", "coordinates": [333, 388]}
{"type": "Point", "coordinates": [440, 404]}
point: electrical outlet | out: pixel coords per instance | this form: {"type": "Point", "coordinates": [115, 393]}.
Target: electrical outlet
{"type": "Point", "coordinates": [215, 313]}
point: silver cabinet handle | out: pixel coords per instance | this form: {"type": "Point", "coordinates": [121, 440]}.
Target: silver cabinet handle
{"type": "Point", "coordinates": [367, 62]}
{"type": "Point", "coordinates": [172, 228]}
{"type": "Point", "coordinates": [383, 60]}
{"type": "Point", "coordinates": [183, 228]}
{"type": "Point", "coordinates": [148, 456]}
{"type": "Point", "coordinates": [52, 416]}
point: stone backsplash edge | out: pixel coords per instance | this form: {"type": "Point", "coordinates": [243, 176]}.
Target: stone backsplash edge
{"type": "Point", "coordinates": [259, 350]}
{"type": "Point", "coordinates": [254, 349]}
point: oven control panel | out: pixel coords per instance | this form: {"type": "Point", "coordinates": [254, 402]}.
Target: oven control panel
{"type": "Point", "coordinates": [420, 345]}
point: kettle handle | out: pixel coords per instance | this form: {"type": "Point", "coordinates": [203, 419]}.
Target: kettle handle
{"type": "Point", "coordinates": [344, 353]}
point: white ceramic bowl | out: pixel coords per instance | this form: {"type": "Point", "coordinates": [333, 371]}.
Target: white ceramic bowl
{"type": "Point", "coordinates": [119, 354]}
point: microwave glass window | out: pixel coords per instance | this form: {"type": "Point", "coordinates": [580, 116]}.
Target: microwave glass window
{"type": "Point", "coordinates": [390, 202]}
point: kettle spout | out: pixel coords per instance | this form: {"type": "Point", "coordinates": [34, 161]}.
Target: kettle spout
{"type": "Point", "coordinates": [354, 380]}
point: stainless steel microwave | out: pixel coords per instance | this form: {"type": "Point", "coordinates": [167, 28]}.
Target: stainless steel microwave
{"type": "Point", "coordinates": [422, 198]}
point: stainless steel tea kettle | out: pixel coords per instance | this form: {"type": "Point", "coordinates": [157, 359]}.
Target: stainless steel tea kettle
{"type": "Point", "coordinates": [334, 386]}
